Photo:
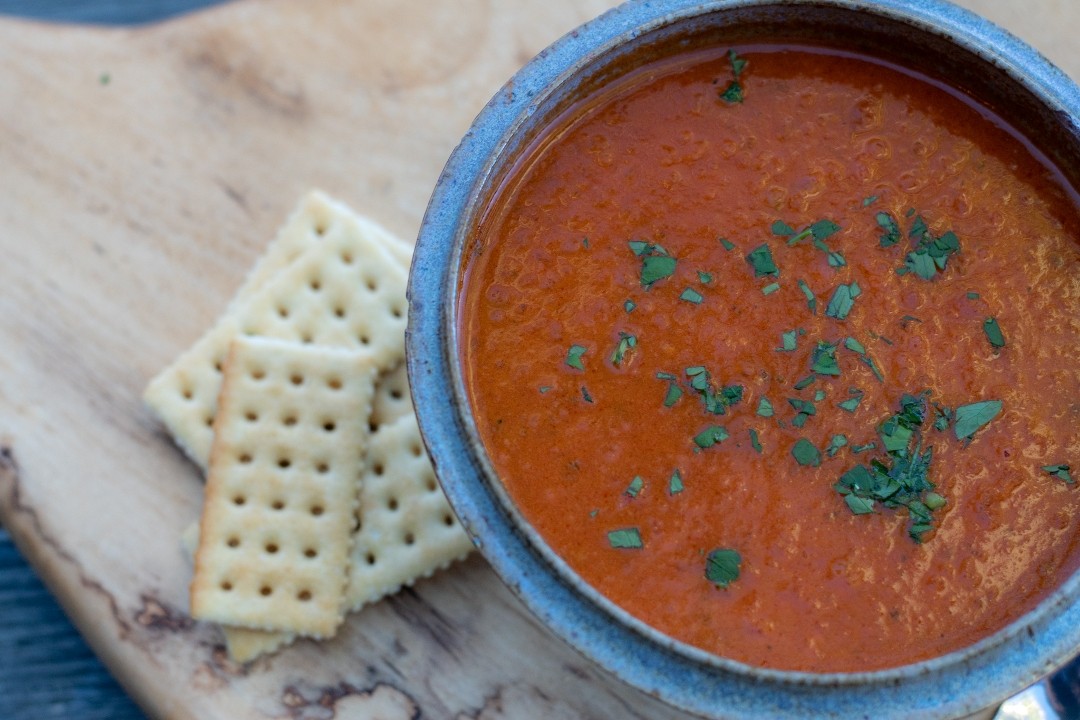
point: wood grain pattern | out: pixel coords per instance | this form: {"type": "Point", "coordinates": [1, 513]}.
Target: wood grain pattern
{"type": "Point", "coordinates": [144, 170]}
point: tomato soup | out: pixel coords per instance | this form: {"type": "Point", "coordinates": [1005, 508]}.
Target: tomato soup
{"type": "Point", "coordinates": [777, 347]}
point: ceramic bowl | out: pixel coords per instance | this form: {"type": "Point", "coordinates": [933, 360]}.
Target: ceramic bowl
{"type": "Point", "coordinates": [924, 35]}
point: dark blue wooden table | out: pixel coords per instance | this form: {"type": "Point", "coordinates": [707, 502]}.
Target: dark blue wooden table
{"type": "Point", "coordinates": [46, 669]}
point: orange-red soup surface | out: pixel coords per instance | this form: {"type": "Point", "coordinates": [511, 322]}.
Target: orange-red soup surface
{"type": "Point", "coordinates": [553, 282]}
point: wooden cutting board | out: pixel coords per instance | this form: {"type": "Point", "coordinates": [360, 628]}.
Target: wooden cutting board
{"type": "Point", "coordinates": [142, 171]}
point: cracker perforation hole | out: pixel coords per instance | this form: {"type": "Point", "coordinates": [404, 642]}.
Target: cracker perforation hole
{"type": "Point", "coordinates": [339, 312]}
{"type": "Point", "coordinates": [277, 505]}
{"type": "Point", "coordinates": [209, 421]}
{"type": "Point", "coordinates": [296, 379]}
{"type": "Point", "coordinates": [378, 468]}
{"type": "Point", "coordinates": [329, 426]}
{"type": "Point", "coordinates": [317, 510]}
{"type": "Point", "coordinates": [283, 311]}
{"type": "Point", "coordinates": [226, 586]}
{"type": "Point", "coordinates": [409, 539]}
{"type": "Point", "coordinates": [416, 450]}
{"type": "Point", "coordinates": [271, 548]}
{"type": "Point", "coordinates": [320, 228]}
{"type": "Point", "coordinates": [288, 420]}
{"type": "Point", "coordinates": [346, 257]}
{"type": "Point", "coordinates": [370, 284]}
{"type": "Point", "coordinates": [245, 458]}
{"type": "Point", "coordinates": [218, 364]}
{"type": "Point", "coordinates": [303, 595]}
{"type": "Point", "coordinates": [315, 284]}
{"type": "Point", "coordinates": [307, 338]}
{"type": "Point", "coordinates": [370, 558]}
{"type": "Point", "coordinates": [364, 340]}
{"type": "Point", "coordinates": [396, 394]}
{"type": "Point", "coordinates": [322, 468]}
{"type": "Point", "coordinates": [334, 383]}
{"type": "Point", "coordinates": [392, 504]}
{"type": "Point", "coordinates": [430, 484]}
{"type": "Point", "coordinates": [284, 463]}
{"type": "Point", "coordinates": [266, 591]}
{"type": "Point", "coordinates": [397, 312]}
{"type": "Point", "coordinates": [233, 542]}
{"type": "Point", "coordinates": [251, 415]}
{"type": "Point", "coordinates": [239, 499]}
{"type": "Point", "coordinates": [258, 373]}
{"type": "Point", "coordinates": [187, 393]}
{"type": "Point", "coordinates": [311, 553]}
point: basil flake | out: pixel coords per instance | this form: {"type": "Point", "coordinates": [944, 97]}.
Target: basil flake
{"type": "Point", "coordinates": [675, 484]}
{"type": "Point", "coordinates": [1060, 471]}
{"type": "Point", "coordinates": [585, 394]}
{"type": "Point", "coordinates": [765, 408]}
{"type": "Point", "coordinates": [843, 300]}
{"type": "Point", "coordinates": [755, 441]}
{"type": "Point", "coordinates": [656, 267]}
{"type": "Point", "coordinates": [811, 299]}
{"type": "Point", "coordinates": [859, 505]}
{"type": "Point", "coordinates": [891, 229]}
{"type": "Point", "coordinates": [837, 442]}
{"type": "Point", "coordinates": [728, 245]}
{"type": "Point", "coordinates": [635, 486]}
{"type": "Point", "coordinates": [770, 288]}
{"type": "Point", "coordinates": [788, 341]}
{"type": "Point", "coordinates": [629, 306]}
{"type": "Point", "coordinates": [626, 343]}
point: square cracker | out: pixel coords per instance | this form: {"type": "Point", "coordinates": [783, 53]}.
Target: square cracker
{"type": "Point", "coordinates": [343, 288]}
{"type": "Point", "coordinates": [406, 530]}
{"type": "Point", "coordinates": [281, 494]}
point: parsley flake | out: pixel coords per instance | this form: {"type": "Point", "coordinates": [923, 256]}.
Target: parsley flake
{"type": "Point", "coordinates": [1060, 471]}
{"type": "Point", "coordinates": [629, 306]}
{"type": "Point", "coordinates": [656, 263]}
{"type": "Point", "coordinates": [805, 453]}
{"type": "Point", "coordinates": [970, 418]}
{"type": "Point", "coordinates": [628, 538]}
{"type": "Point", "coordinates": [824, 358]}
{"type": "Point", "coordinates": [770, 288]}
{"type": "Point", "coordinates": [755, 441]}
{"type": "Point", "coordinates": [675, 484]}
{"type": "Point", "coordinates": [837, 442]}
{"type": "Point", "coordinates": [811, 299]}
{"type": "Point", "coordinates": [722, 566]}
{"type": "Point", "coordinates": [993, 332]}
{"type": "Point", "coordinates": [692, 296]}
{"type": "Point", "coordinates": [788, 341]}
{"type": "Point", "coordinates": [728, 245]}
{"type": "Point", "coordinates": [573, 356]}
{"type": "Point", "coordinates": [761, 259]}
{"type": "Point", "coordinates": [626, 343]}
{"type": "Point", "coordinates": [635, 486]}
{"type": "Point", "coordinates": [585, 394]}
{"type": "Point", "coordinates": [704, 277]}
{"type": "Point", "coordinates": [710, 436]}
{"type": "Point", "coordinates": [891, 233]}
{"type": "Point", "coordinates": [765, 408]}
{"type": "Point", "coordinates": [843, 300]}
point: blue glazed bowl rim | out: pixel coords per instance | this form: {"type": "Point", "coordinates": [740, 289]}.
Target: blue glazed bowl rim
{"type": "Point", "coordinates": [951, 685]}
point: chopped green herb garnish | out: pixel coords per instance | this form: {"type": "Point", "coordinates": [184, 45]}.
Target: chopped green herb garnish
{"type": "Point", "coordinates": [761, 259]}
{"type": "Point", "coordinates": [626, 343]}
{"type": "Point", "coordinates": [802, 406]}
{"type": "Point", "coordinates": [1060, 471]}
{"type": "Point", "coordinates": [733, 94]}
{"type": "Point", "coordinates": [837, 442]}
{"type": "Point", "coordinates": [674, 392]}
{"type": "Point", "coordinates": [629, 306]}
{"type": "Point", "coordinates": [656, 263]}
{"type": "Point", "coordinates": [805, 382]}
{"type": "Point", "coordinates": [755, 442]}
{"type": "Point", "coordinates": [863, 448]}
{"type": "Point", "coordinates": [544, 389]}
{"type": "Point", "coordinates": [973, 296]}
{"type": "Point", "coordinates": [811, 300]}
{"type": "Point", "coordinates": [854, 346]}
{"type": "Point", "coordinates": [675, 484]}
{"type": "Point", "coordinates": [869, 361]}
{"type": "Point", "coordinates": [782, 229]}
{"type": "Point", "coordinates": [704, 277]}
{"type": "Point", "coordinates": [824, 358]}
{"type": "Point", "coordinates": [710, 436]}
{"type": "Point", "coordinates": [819, 396]}
{"type": "Point", "coordinates": [843, 300]}
{"type": "Point", "coordinates": [859, 505]}
{"type": "Point", "coordinates": [585, 394]}
{"type": "Point", "coordinates": [765, 408]}
{"type": "Point", "coordinates": [969, 418]}
{"type": "Point", "coordinates": [585, 242]}
{"type": "Point", "coordinates": [805, 453]}
{"type": "Point", "coordinates": [722, 566]}
{"type": "Point", "coordinates": [728, 245]}
{"type": "Point", "coordinates": [692, 296]}
{"type": "Point", "coordinates": [852, 403]}
{"type": "Point", "coordinates": [629, 538]}
{"type": "Point", "coordinates": [993, 332]}
{"type": "Point", "coordinates": [943, 416]}
{"type": "Point", "coordinates": [737, 63]}
{"type": "Point", "coordinates": [770, 288]}
{"type": "Point", "coordinates": [788, 341]}
{"type": "Point", "coordinates": [716, 402]}
{"type": "Point", "coordinates": [635, 486]}
{"type": "Point", "coordinates": [932, 253]}
{"type": "Point", "coordinates": [869, 200]}
{"type": "Point", "coordinates": [819, 231]}
{"type": "Point", "coordinates": [891, 233]}
{"type": "Point", "coordinates": [573, 356]}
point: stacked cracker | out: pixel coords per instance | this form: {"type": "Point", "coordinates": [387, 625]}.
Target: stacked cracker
{"type": "Point", "coordinates": [319, 497]}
